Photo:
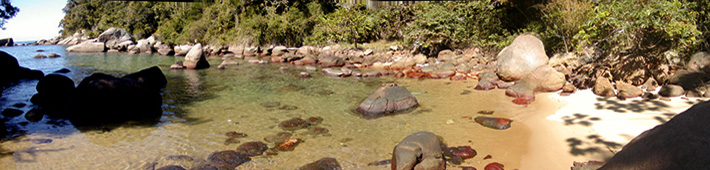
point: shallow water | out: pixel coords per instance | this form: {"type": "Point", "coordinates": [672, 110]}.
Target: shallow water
{"type": "Point", "coordinates": [201, 106]}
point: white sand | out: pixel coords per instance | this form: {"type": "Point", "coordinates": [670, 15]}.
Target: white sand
{"type": "Point", "coordinates": [588, 127]}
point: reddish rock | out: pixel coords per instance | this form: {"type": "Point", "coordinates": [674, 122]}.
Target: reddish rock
{"type": "Point", "coordinates": [387, 100]}
{"type": "Point", "coordinates": [228, 159]}
{"type": "Point", "coordinates": [493, 122]}
{"type": "Point", "coordinates": [331, 61]}
{"type": "Point", "coordinates": [308, 60]}
{"type": "Point", "coordinates": [315, 120]}
{"type": "Point", "coordinates": [294, 124]}
{"type": "Point", "coordinates": [467, 168]}
{"type": "Point", "coordinates": [464, 152]}
{"type": "Point", "coordinates": [288, 144]}
{"type": "Point", "coordinates": [487, 157]}
{"type": "Point", "coordinates": [494, 166]}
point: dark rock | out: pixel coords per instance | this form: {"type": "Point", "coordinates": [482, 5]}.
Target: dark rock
{"type": "Point", "coordinates": [252, 148]}
{"type": "Point", "coordinates": [315, 120]}
{"type": "Point", "coordinates": [464, 152]}
{"type": "Point", "coordinates": [63, 70]}
{"type": "Point", "coordinates": [19, 105]}
{"type": "Point", "coordinates": [690, 80]}
{"type": "Point", "coordinates": [236, 134]}
{"type": "Point", "coordinates": [8, 42]}
{"type": "Point", "coordinates": [11, 70]}
{"type": "Point", "coordinates": [493, 122]}
{"type": "Point", "coordinates": [671, 90]}
{"type": "Point", "coordinates": [294, 124]}
{"type": "Point", "coordinates": [318, 131]}
{"type": "Point", "coordinates": [421, 150]}
{"type": "Point", "coordinates": [10, 112]}
{"type": "Point", "coordinates": [151, 77]}
{"type": "Point", "coordinates": [40, 56]}
{"type": "Point", "coordinates": [195, 58]}
{"type": "Point", "coordinates": [53, 55]}
{"type": "Point", "coordinates": [34, 115]}
{"type": "Point", "coordinates": [387, 100]}
{"type": "Point", "coordinates": [521, 57]}
{"type": "Point", "coordinates": [649, 96]}
{"type": "Point", "coordinates": [205, 166]}
{"type": "Point", "coordinates": [228, 159]}
{"type": "Point", "coordinates": [232, 140]}
{"type": "Point", "coordinates": [180, 158]}
{"type": "Point", "coordinates": [603, 87]}
{"type": "Point", "coordinates": [322, 164]}
{"type": "Point", "coordinates": [467, 168]}
{"type": "Point", "coordinates": [680, 143]}
{"type": "Point", "coordinates": [488, 81]}
{"type": "Point", "coordinates": [171, 167]}
{"type": "Point", "coordinates": [379, 163]}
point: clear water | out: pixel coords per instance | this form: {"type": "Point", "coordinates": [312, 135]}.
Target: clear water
{"type": "Point", "coordinates": [201, 106]}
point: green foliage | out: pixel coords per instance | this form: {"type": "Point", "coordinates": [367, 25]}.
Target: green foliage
{"type": "Point", "coordinates": [564, 19]}
{"type": "Point", "coordinates": [349, 24]}
{"type": "Point", "coordinates": [7, 11]}
{"type": "Point", "coordinates": [652, 27]}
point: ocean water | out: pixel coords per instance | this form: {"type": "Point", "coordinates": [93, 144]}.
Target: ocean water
{"type": "Point", "coordinates": [200, 106]}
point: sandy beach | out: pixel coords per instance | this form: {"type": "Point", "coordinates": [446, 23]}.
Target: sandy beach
{"type": "Point", "coordinates": [590, 127]}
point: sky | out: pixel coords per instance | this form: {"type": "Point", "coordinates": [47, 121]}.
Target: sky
{"type": "Point", "coordinates": [37, 19]}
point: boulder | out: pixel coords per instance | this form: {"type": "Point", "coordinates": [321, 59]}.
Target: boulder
{"type": "Point", "coordinates": [603, 87]}
{"type": "Point", "coordinates": [307, 50]}
{"type": "Point", "coordinates": [163, 49]}
{"type": "Point", "coordinates": [690, 80]}
{"type": "Point", "coordinates": [699, 62]}
{"type": "Point", "coordinates": [195, 59]}
{"type": "Point", "coordinates": [627, 91]}
{"type": "Point", "coordinates": [76, 38]}
{"type": "Point", "coordinates": [279, 51]}
{"type": "Point", "coordinates": [10, 70]}
{"type": "Point", "coordinates": [488, 81]}
{"type": "Point", "coordinates": [182, 50]}
{"type": "Point", "coordinates": [144, 46]}
{"type": "Point", "coordinates": [525, 54]}
{"type": "Point", "coordinates": [671, 90]}
{"type": "Point", "coordinates": [7, 42]}
{"type": "Point", "coordinates": [236, 49]}
{"type": "Point", "coordinates": [680, 143]}
{"type": "Point", "coordinates": [53, 90]}
{"type": "Point", "coordinates": [116, 38]}
{"type": "Point", "coordinates": [322, 164]}
{"type": "Point", "coordinates": [387, 100]}
{"type": "Point", "coordinates": [331, 61]}
{"type": "Point", "coordinates": [228, 159]}
{"type": "Point", "coordinates": [544, 79]}
{"type": "Point", "coordinates": [421, 150]}
{"type": "Point", "coordinates": [87, 46]}
{"type": "Point", "coordinates": [102, 98]}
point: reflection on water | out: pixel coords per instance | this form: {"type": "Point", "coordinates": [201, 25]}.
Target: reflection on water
{"type": "Point", "coordinates": [200, 106]}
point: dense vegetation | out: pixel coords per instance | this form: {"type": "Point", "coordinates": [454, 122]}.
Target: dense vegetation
{"type": "Point", "coordinates": [648, 27]}
{"type": "Point", "coordinates": [7, 11]}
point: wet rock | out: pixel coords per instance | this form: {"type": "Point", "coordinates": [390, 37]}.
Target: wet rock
{"type": "Point", "coordinates": [322, 164]}
{"type": "Point", "coordinates": [177, 65]}
{"type": "Point", "coordinates": [421, 150]}
{"type": "Point", "coordinates": [627, 91]}
{"type": "Point", "coordinates": [252, 148]}
{"type": "Point", "coordinates": [195, 58]}
{"type": "Point", "coordinates": [10, 113]}
{"type": "Point", "coordinates": [387, 100]}
{"type": "Point", "coordinates": [63, 70]}
{"type": "Point", "coordinates": [171, 167]}
{"type": "Point", "coordinates": [232, 140]}
{"type": "Point", "coordinates": [333, 72]}
{"type": "Point", "coordinates": [671, 90]}
{"type": "Point", "coordinates": [487, 157]}
{"type": "Point", "coordinates": [179, 158]}
{"type": "Point", "coordinates": [493, 122]}
{"type": "Point", "coordinates": [19, 105]}
{"type": "Point", "coordinates": [317, 131]}
{"type": "Point", "coordinates": [34, 115]}
{"type": "Point", "coordinates": [315, 120]}
{"type": "Point", "coordinates": [227, 159]}
{"type": "Point", "coordinates": [603, 87]}
{"type": "Point", "coordinates": [53, 55]}
{"type": "Point", "coordinates": [680, 143]}
{"type": "Point", "coordinates": [288, 107]}
{"type": "Point", "coordinates": [488, 81]}
{"type": "Point", "coordinates": [494, 166]}
{"type": "Point", "coordinates": [279, 137]}
{"type": "Point", "coordinates": [227, 64]}
{"type": "Point", "coordinates": [521, 57]}
{"type": "Point", "coordinates": [521, 89]}
{"type": "Point", "coordinates": [308, 60]}
{"type": "Point", "coordinates": [288, 144]}
{"type": "Point", "coordinates": [464, 152]}
{"type": "Point", "coordinates": [467, 168]}
{"type": "Point", "coordinates": [294, 124]}
{"type": "Point", "coordinates": [40, 56]}
{"type": "Point", "coordinates": [270, 104]}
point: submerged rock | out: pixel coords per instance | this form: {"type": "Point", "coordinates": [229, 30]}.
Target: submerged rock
{"type": "Point", "coordinates": [421, 150]}
{"type": "Point", "coordinates": [252, 148]}
{"type": "Point", "coordinates": [494, 166]}
{"type": "Point", "coordinates": [294, 124]}
{"type": "Point", "coordinates": [322, 164]}
{"type": "Point", "coordinates": [387, 100]}
{"type": "Point", "coordinates": [289, 144]}
{"type": "Point", "coordinates": [228, 159]}
{"type": "Point", "coordinates": [464, 152]}
{"type": "Point", "coordinates": [171, 167]}
{"type": "Point", "coordinates": [493, 122]}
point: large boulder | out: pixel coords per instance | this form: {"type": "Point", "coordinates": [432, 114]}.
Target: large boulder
{"type": "Point", "coordinates": [88, 46]}
{"type": "Point", "coordinates": [544, 79]}
{"type": "Point", "coordinates": [182, 50]}
{"type": "Point", "coordinates": [195, 59]}
{"type": "Point", "coordinates": [76, 38]}
{"type": "Point", "coordinates": [116, 38]}
{"type": "Point", "coordinates": [387, 100]}
{"type": "Point", "coordinates": [680, 143]}
{"type": "Point", "coordinates": [524, 55]}
{"type": "Point", "coordinates": [7, 42]}
{"type": "Point", "coordinates": [102, 98]}
{"type": "Point", "coordinates": [603, 87]}
{"type": "Point", "coordinates": [53, 90]}
{"type": "Point", "coordinates": [163, 49]}
{"type": "Point", "coordinates": [145, 45]}
{"type": "Point", "coordinates": [10, 70]}
{"type": "Point", "coordinates": [421, 150]}
{"type": "Point", "coordinates": [331, 61]}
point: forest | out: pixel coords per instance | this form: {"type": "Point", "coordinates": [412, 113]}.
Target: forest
{"type": "Point", "coordinates": [644, 27]}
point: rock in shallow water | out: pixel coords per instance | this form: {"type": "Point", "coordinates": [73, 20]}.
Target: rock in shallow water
{"type": "Point", "coordinates": [322, 164]}
{"type": "Point", "coordinates": [228, 159]}
{"type": "Point", "coordinates": [387, 100]}
{"type": "Point", "coordinates": [252, 148]}
{"type": "Point", "coordinates": [494, 166]}
{"type": "Point", "coordinates": [421, 150]}
{"type": "Point", "coordinates": [493, 122]}
{"type": "Point", "coordinates": [294, 124]}
{"type": "Point", "coordinates": [288, 144]}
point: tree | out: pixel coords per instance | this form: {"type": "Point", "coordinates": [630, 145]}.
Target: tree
{"type": "Point", "coordinates": [7, 11]}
